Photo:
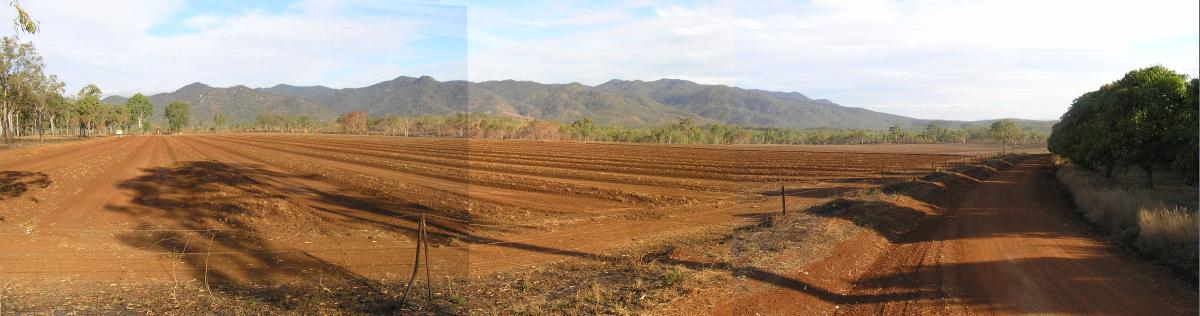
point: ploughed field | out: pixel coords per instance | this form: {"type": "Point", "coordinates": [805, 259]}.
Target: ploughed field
{"type": "Point", "coordinates": [267, 209]}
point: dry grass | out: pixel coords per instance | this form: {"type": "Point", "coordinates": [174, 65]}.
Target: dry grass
{"type": "Point", "coordinates": [1171, 233]}
{"type": "Point", "coordinates": [626, 282]}
{"type": "Point", "coordinates": [1160, 223]}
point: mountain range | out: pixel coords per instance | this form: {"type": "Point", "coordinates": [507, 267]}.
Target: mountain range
{"type": "Point", "coordinates": [633, 103]}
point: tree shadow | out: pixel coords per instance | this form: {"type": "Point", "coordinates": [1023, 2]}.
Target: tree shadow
{"type": "Point", "coordinates": [13, 184]}
{"type": "Point", "coordinates": [209, 216]}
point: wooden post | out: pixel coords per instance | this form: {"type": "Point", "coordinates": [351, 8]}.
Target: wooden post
{"type": "Point", "coordinates": [782, 198]}
{"type": "Point", "coordinates": [425, 244]}
{"type": "Point", "coordinates": [416, 261]}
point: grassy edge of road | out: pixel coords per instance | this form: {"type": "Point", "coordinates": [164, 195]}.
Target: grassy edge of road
{"type": "Point", "coordinates": [1156, 224]}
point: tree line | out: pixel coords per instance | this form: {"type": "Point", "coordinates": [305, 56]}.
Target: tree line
{"type": "Point", "coordinates": [33, 102]}
{"type": "Point", "coordinates": [684, 131]}
{"type": "Point", "coordinates": [1146, 119]}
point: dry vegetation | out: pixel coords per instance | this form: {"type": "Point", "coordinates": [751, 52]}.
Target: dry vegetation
{"type": "Point", "coordinates": [1159, 222]}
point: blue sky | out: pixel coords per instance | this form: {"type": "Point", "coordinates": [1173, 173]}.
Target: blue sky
{"type": "Point", "coordinates": [948, 59]}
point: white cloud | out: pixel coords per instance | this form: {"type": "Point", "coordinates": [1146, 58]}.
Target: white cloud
{"type": "Point", "coordinates": [928, 58]}
{"type": "Point", "coordinates": [202, 21]}
{"type": "Point", "coordinates": [678, 43]}
{"type": "Point", "coordinates": [110, 43]}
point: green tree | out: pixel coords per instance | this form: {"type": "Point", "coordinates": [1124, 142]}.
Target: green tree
{"type": "Point", "coordinates": [1186, 135]}
{"type": "Point", "coordinates": [178, 115]}
{"type": "Point", "coordinates": [20, 66]}
{"type": "Point", "coordinates": [139, 108]}
{"type": "Point", "coordinates": [583, 129]}
{"type": "Point", "coordinates": [895, 133]}
{"type": "Point", "coordinates": [87, 109]}
{"type": "Point", "coordinates": [1146, 119]}
{"type": "Point", "coordinates": [934, 132]}
{"type": "Point", "coordinates": [115, 116]}
{"type": "Point", "coordinates": [219, 120]}
{"type": "Point", "coordinates": [1004, 131]}
{"type": "Point", "coordinates": [1153, 104]}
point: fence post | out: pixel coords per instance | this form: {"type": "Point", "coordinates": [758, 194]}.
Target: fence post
{"type": "Point", "coordinates": [782, 198]}
{"type": "Point", "coordinates": [425, 244]}
{"type": "Point", "coordinates": [416, 261]}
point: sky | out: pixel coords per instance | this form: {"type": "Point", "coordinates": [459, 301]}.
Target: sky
{"type": "Point", "coordinates": [937, 59]}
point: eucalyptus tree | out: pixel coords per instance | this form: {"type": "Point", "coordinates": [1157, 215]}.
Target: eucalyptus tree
{"type": "Point", "coordinates": [86, 109]}
{"type": "Point", "coordinates": [139, 108]}
{"type": "Point", "coordinates": [178, 114]}
{"type": "Point", "coordinates": [46, 101]}
{"type": "Point", "coordinates": [23, 22]}
{"type": "Point", "coordinates": [19, 65]}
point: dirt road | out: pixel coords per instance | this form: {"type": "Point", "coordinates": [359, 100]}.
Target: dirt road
{"type": "Point", "coordinates": [1008, 245]}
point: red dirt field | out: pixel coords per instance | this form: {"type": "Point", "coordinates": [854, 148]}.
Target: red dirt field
{"type": "Point", "coordinates": [257, 210]}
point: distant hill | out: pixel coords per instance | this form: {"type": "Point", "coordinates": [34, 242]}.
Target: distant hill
{"type": "Point", "coordinates": [754, 107]}
{"type": "Point", "coordinates": [623, 102]}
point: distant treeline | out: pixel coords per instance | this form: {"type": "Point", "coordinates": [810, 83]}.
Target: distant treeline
{"type": "Point", "coordinates": [685, 131]}
{"type": "Point", "coordinates": [1147, 119]}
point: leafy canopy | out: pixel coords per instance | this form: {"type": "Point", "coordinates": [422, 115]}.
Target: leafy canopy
{"type": "Point", "coordinates": [178, 115]}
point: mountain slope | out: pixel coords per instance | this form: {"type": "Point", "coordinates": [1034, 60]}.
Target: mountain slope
{"type": "Point", "coordinates": [568, 102]}
{"type": "Point", "coordinates": [754, 107]}
{"type": "Point", "coordinates": [631, 103]}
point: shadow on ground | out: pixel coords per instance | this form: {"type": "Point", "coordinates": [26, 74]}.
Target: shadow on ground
{"type": "Point", "coordinates": [13, 184]}
{"type": "Point", "coordinates": [222, 221]}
